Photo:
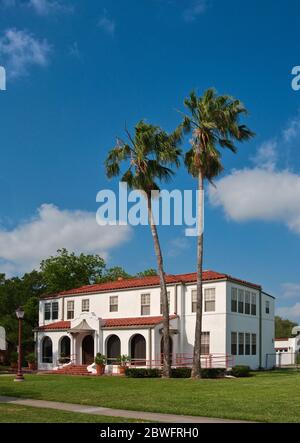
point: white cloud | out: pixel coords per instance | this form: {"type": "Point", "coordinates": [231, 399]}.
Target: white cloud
{"type": "Point", "coordinates": [177, 245]}
{"type": "Point", "coordinates": [263, 192]}
{"type": "Point", "coordinates": [46, 7]}
{"type": "Point", "coordinates": [257, 194]}
{"type": "Point", "coordinates": [106, 23]}
{"type": "Point", "coordinates": [289, 312]}
{"type": "Point", "coordinates": [21, 50]}
{"type": "Point", "coordinates": [23, 248]}
{"type": "Point", "coordinates": [266, 156]}
{"type": "Point", "coordinates": [198, 7]}
{"type": "Point", "coordinates": [291, 290]}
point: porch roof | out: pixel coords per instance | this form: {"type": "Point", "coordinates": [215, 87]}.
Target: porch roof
{"type": "Point", "coordinates": [83, 326]}
{"type": "Point", "coordinates": [59, 325]}
{"type": "Point", "coordinates": [131, 322]}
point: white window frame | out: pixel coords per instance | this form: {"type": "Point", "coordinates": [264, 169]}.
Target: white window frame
{"type": "Point", "coordinates": [85, 301]}
{"type": "Point", "coordinates": [210, 299]}
{"type": "Point", "coordinates": [113, 303]}
{"type": "Point", "coordinates": [145, 304]}
{"type": "Point", "coordinates": [72, 303]}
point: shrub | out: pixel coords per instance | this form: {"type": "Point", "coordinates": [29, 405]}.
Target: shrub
{"type": "Point", "coordinates": [181, 373]}
{"type": "Point", "coordinates": [100, 359]}
{"type": "Point", "coordinates": [213, 372]}
{"type": "Point", "coordinates": [241, 371]}
{"type": "Point", "coordinates": [142, 373]}
{"type": "Point", "coordinates": [31, 358]}
{"type": "Point", "coordinates": [13, 358]}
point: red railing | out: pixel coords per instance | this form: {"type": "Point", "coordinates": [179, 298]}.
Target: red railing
{"type": "Point", "coordinates": [186, 361]}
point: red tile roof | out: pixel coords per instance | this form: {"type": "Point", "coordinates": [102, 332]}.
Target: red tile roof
{"type": "Point", "coordinates": [56, 326]}
{"type": "Point", "coordinates": [138, 321]}
{"type": "Point", "coordinates": [148, 282]}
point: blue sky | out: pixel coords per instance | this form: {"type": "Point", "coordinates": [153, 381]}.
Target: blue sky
{"type": "Point", "coordinates": [78, 71]}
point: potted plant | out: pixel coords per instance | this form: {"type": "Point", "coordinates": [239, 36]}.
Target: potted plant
{"type": "Point", "coordinates": [123, 361]}
{"type": "Point", "coordinates": [14, 360]}
{"type": "Point", "coordinates": [100, 361]}
{"type": "Point", "coordinates": [31, 360]}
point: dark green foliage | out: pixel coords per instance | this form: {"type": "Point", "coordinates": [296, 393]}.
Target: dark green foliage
{"type": "Point", "coordinates": [181, 373]}
{"type": "Point", "coordinates": [147, 273]}
{"type": "Point", "coordinates": [113, 274]}
{"type": "Point", "coordinates": [283, 327]}
{"type": "Point", "coordinates": [142, 373]}
{"type": "Point", "coordinates": [67, 271]}
{"type": "Point", "coordinates": [213, 372]}
{"type": "Point", "coordinates": [241, 371]}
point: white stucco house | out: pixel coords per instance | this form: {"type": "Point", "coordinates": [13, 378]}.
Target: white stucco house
{"type": "Point", "coordinates": [288, 349]}
{"type": "Point", "coordinates": [124, 317]}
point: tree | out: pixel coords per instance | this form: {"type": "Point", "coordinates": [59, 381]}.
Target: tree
{"type": "Point", "coordinates": [149, 156]}
{"type": "Point", "coordinates": [113, 274]}
{"type": "Point", "coordinates": [147, 273]}
{"type": "Point", "coordinates": [68, 271]}
{"type": "Point", "coordinates": [213, 122]}
{"type": "Point", "coordinates": [283, 327]}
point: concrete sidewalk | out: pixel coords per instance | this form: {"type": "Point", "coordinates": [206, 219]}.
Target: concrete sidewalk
{"type": "Point", "coordinates": [145, 416]}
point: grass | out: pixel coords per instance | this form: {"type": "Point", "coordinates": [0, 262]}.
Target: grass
{"type": "Point", "coordinates": [265, 397]}
{"type": "Point", "coordinates": [25, 414]}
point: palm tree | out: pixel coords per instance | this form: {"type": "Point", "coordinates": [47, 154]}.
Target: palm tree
{"type": "Point", "coordinates": [213, 122]}
{"type": "Point", "coordinates": [149, 156]}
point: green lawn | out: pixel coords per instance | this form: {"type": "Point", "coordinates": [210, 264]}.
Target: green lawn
{"type": "Point", "coordinates": [25, 414]}
{"type": "Point", "coordinates": [266, 397]}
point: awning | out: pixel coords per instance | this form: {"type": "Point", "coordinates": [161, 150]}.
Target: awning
{"type": "Point", "coordinates": [82, 327]}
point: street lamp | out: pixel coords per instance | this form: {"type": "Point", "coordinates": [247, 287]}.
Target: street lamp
{"type": "Point", "coordinates": [20, 316]}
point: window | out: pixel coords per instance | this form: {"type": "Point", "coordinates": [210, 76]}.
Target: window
{"type": "Point", "coordinates": [247, 344]}
{"type": "Point", "coordinates": [241, 343]}
{"type": "Point", "coordinates": [253, 344]}
{"type": "Point", "coordinates": [267, 307]}
{"type": "Point", "coordinates": [161, 305]}
{"type": "Point", "coordinates": [253, 303]}
{"type": "Point", "coordinates": [241, 301]}
{"type": "Point", "coordinates": [70, 310]}
{"type": "Point", "coordinates": [47, 354]}
{"type": "Point", "coordinates": [47, 311]}
{"type": "Point", "coordinates": [145, 304]}
{"type": "Point", "coordinates": [233, 299]}
{"type": "Point", "coordinates": [51, 311]}
{"type": "Point", "coordinates": [194, 301]}
{"type": "Point", "coordinates": [234, 343]}
{"type": "Point", "coordinates": [205, 339]}
{"type": "Point", "coordinates": [113, 303]}
{"type": "Point", "coordinates": [85, 305]}
{"type": "Point", "coordinates": [247, 302]}
{"type": "Point", "coordinates": [210, 300]}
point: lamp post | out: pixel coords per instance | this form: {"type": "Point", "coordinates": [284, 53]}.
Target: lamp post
{"type": "Point", "coordinates": [20, 316]}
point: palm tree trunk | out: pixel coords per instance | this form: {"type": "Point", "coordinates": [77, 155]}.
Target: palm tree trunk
{"type": "Point", "coordinates": [196, 369]}
{"type": "Point", "coordinates": [164, 296]}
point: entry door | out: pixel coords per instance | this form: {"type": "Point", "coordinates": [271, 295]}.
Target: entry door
{"type": "Point", "coordinates": [88, 350]}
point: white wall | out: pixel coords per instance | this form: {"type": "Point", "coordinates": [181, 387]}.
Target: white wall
{"type": "Point", "coordinates": [2, 339]}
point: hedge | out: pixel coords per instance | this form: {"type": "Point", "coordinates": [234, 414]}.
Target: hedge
{"type": "Point", "coordinates": [142, 373]}
{"type": "Point", "coordinates": [241, 371]}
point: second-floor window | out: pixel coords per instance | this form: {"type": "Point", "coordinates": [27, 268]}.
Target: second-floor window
{"type": "Point", "coordinates": [267, 307]}
{"type": "Point", "coordinates": [145, 304]}
{"type": "Point", "coordinates": [247, 302]}
{"type": "Point", "coordinates": [161, 305]}
{"type": "Point", "coordinates": [194, 301]}
{"type": "Point", "coordinates": [85, 305]}
{"type": "Point", "coordinates": [253, 303]}
{"type": "Point", "coordinates": [70, 310]}
{"type": "Point", "coordinates": [241, 301]}
{"type": "Point", "coordinates": [234, 299]}
{"type": "Point", "coordinates": [210, 300]}
{"type": "Point", "coordinates": [113, 303]}
{"type": "Point", "coordinates": [51, 311]}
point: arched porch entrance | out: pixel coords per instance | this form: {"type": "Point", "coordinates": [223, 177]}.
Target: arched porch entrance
{"type": "Point", "coordinates": [138, 350]}
{"type": "Point", "coordinates": [113, 349]}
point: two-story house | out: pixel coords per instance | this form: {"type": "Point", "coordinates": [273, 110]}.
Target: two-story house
{"type": "Point", "coordinates": [125, 317]}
